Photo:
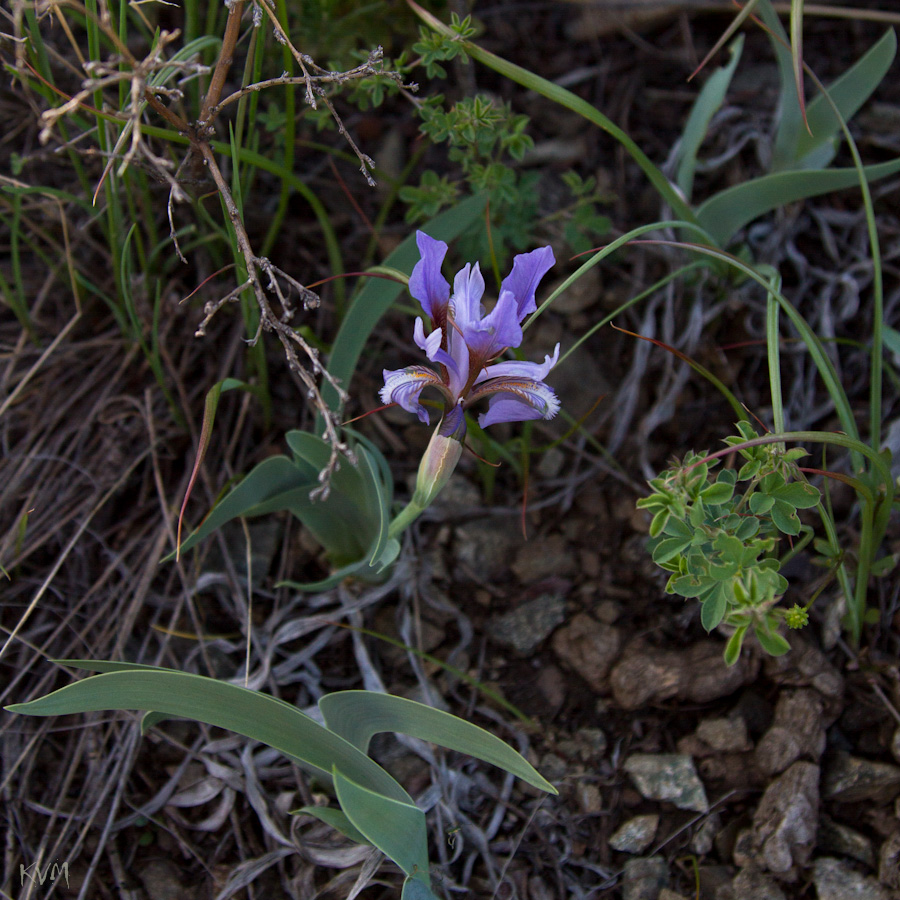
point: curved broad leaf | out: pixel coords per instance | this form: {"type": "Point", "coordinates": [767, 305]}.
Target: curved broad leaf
{"type": "Point", "coordinates": [257, 716]}
{"type": "Point", "coordinates": [396, 828]}
{"type": "Point", "coordinates": [262, 491]}
{"type": "Point", "coordinates": [705, 107]}
{"type": "Point", "coordinates": [336, 819]}
{"type": "Point", "coordinates": [730, 210]}
{"type": "Point", "coordinates": [848, 92]}
{"type": "Point", "coordinates": [357, 715]}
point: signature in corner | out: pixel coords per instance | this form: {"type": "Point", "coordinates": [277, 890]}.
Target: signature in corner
{"type": "Point", "coordinates": [34, 874]}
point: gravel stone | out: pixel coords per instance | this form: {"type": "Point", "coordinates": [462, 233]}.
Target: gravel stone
{"type": "Point", "coordinates": [589, 648]}
{"type": "Point", "coordinates": [851, 779]}
{"type": "Point", "coordinates": [668, 776]}
{"type": "Point", "coordinates": [526, 626]}
{"type": "Point", "coordinates": [646, 675]}
{"type": "Point", "coordinates": [727, 735]}
{"type": "Point", "coordinates": [836, 880]}
{"type": "Point", "coordinates": [484, 547]}
{"type": "Point", "coordinates": [644, 878]}
{"type": "Point", "coordinates": [837, 839]}
{"type": "Point", "coordinates": [545, 558]}
{"type": "Point", "coordinates": [798, 730]}
{"type": "Point", "coordinates": [889, 862]}
{"type": "Point", "coordinates": [636, 835]}
{"type": "Point", "coordinates": [751, 884]}
{"type": "Point", "coordinates": [785, 823]}
{"type": "Point", "coordinates": [704, 837]}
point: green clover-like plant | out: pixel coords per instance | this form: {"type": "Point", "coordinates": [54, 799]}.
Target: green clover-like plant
{"type": "Point", "coordinates": [720, 538]}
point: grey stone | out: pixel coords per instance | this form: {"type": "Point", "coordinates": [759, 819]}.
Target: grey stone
{"type": "Point", "coordinates": [162, 881]}
{"type": "Point", "coordinates": [836, 880]}
{"type": "Point", "coordinates": [544, 558]}
{"type": "Point", "coordinates": [636, 835]}
{"type": "Point", "coordinates": [798, 730]}
{"type": "Point", "coordinates": [785, 822]}
{"type": "Point", "coordinates": [589, 799]}
{"type": "Point", "coordinates": [851, 779]}
{"type": "Point", "coordinates": [483, 547]}
{"type": "Point", "coordinates": [704, 837]}
{"type": "Point", "coordinates": [807, 666]}
{"type": "Point", "coordinates": [889, 862]}
{"type": "Point", "coordinates": [643, 878]}
{"type": "Point", "coordinates": [668, 776]}
{"type": "Point", "coordinates": [669, 894]}
{"type": "Point", "coordinates": [751, 884]}
{"type": "Point", "coordinates": [727, 735]}
{"type": "Point", "coordinates": [526, 626]}
{"type": "Point", "coordinates": [588, 647]}
{"type": "Point", "coordinates": [697, 675]}
{"type": "Point", "coordinates": [839, 840]}
{"type": "Point", "coordinates": [895, 738]}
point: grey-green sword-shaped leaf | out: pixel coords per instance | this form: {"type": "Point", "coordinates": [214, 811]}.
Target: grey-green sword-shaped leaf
{"type": "Point", "coordinates": [250, 713]}
{"type": "Point", "coordinates": [357, 715]}
{"type": "Point", "coordinates": [397, 829]}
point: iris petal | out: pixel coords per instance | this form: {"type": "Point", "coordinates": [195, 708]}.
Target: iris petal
{"type": "Point", "coordinates": [528, 370]}
{"type": "Point", "coordinates": [431, 344]}
{"type": "Point", "coordinates": [515, 400]}
{"type": "Point", "coordinates": [468, 289]}
{"type": "Point", "coordinates": [426, 283]}
{"type": "Point", "coordinates": [499, 329]}
{"type": "Point", "coordinates": [527, 271]}
{"type": "Point", "coordinates": [403, 387]}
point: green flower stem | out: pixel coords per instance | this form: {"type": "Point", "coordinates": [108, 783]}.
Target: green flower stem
{"type": "Point", "coordinates": [405, 518]}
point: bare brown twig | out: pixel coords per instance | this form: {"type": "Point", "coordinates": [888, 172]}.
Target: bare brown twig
{"type": "Point", "coordinates": [264, 279]}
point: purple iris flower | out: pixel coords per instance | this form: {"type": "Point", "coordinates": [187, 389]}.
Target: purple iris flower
{"type": "Point", "coordinates": [464, 342]}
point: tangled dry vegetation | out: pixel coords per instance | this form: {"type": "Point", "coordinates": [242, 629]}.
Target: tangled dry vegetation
{"type": "Point", "coordinates": [678, 778]}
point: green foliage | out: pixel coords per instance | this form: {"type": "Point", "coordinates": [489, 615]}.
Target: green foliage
{"type": "Point", "coordinates": [350, 522]}
{"type": "Point", "coordinates": [798, 170]}
{"type": "Point", "coordinates": [480, 132]}
{"type": "Point", "coordinates": [373, 807]}
{"type": "Point", "coordinates": [719, 538]}
{"type": "Point", "coordinates": [434, 48]}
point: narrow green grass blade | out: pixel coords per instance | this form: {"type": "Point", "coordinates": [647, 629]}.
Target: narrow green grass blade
{"type": "Point", "coordinates": [250, 713]}
{"type": "Point", "coordinates": [396, 828]}
{"type": "Point", "coordinates": [705, 107]}
{"type": "Point", "coordinates": [790, 116]}
{"type": "Point", "coordinates": [357, 715]}
{"type": "Point", "coordinates": [730, 210]}
{"type": "Point", "coordinates": [376, 297]}
{"type": "Point", "coordinates": [567, 100]}
{"type": "Point", "coordinates": [813, 344]}
{"type": "Point", "coordinates": [797, 55]}
{"type": "Point", "coordinates": [773, 353]}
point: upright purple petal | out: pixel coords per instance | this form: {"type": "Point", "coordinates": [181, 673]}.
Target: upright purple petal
{"type": "Point", "coordinates": [430, 344]}
{"type": "Point", "coordinates": [468, 289]}
{"type": "Point", "coordinates": [527, 271]}
{"type": "Point", "coordinates": [456, 360]}
{"type": "Point", "coordinates": [530, 371]}
{"type": "Point", "coordinates": [426, 283]}
{"type": "Point", "coordinates": [498, 330]}
{"type": "Point", "coordinates": [403, 387]}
